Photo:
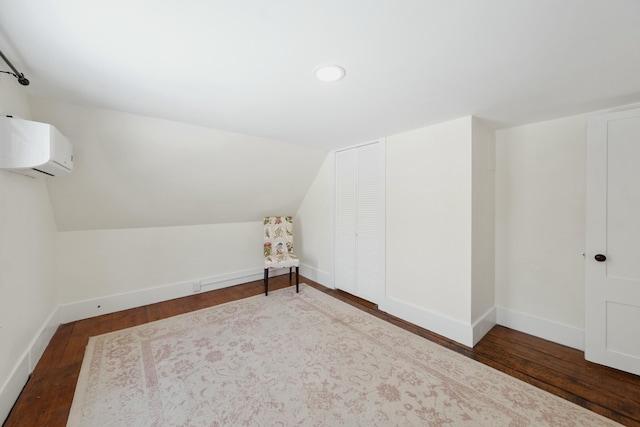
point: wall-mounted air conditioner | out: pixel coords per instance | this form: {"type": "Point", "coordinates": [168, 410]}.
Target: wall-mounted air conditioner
{"type": "Point", "coordinates": [34, 148]}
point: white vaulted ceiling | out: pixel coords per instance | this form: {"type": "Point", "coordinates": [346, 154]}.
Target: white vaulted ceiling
{"type": "Point", "coordinates": [247, 66]}
{"type": "Point", "coordinates": [185, 112]}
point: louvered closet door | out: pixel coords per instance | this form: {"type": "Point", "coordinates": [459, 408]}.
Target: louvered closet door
{"type": "Point", "coordinates": [345, 253]}
{"type": "Point", "coordinates": [358, 222]}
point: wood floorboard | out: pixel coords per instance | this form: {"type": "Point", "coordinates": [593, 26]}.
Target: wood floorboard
{"type": "Point", "coordinates": [563, 371]}
{"type": "Point", "coordinates": [558, 351]}
{"type": "Point", "coordinates": [54, 352]}
{"type": "Point", "coordinates": [564, 379]}
{"type": "Point", "coordinates": [128, 318]}
{"type": "Point", "coordinates": [199, 301]}
{"type": "Point", "coordinates": [74, 350]}
{"type": "Point", "coordinates": [567, 394]}
{"type": "Point", "coordinates": [618, 389]}
{"type": "Point", "coordinates": [93, 326]}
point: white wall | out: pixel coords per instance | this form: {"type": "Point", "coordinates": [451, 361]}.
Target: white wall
{"type": "Point", "coordinates": [28, 291]}
{"type": "Point", "coordinates": [439, 227]}
{"type": "Point", "coordinates": [483, 223]}
{"type": "Point", "coordinates": [314, 227]}
{"type": "Point", "coordinates": [429, 219]}
{"type": "Point", "coordinates": [540, 227]}
{"type": "Point", "coordinates": [438, 233]}
{"type": "Point", "coordinates": [98, 264]}
{"type": "Point", "coordinates": [152, 208]}
{"type": "Point", "coordinates": [133, 171]}
{"type": "Point", "coordinates": [540, 219]}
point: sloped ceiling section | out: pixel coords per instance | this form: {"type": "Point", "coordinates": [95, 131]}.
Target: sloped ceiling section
{"type": "Point", "coordinates": [135, 171]}
{"type": "Point", "coordinates": [247, 66]}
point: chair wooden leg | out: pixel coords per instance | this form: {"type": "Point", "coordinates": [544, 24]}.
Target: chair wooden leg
{"type": "Point", "coordinates": [290, 268]}
{"type": "Point", "coordinates": [266, 281]}
{"type": "Point", "coordinates": [297, 279]}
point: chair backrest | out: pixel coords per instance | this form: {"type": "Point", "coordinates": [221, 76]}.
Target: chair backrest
{"type": "Point", "coordinates": [278, 235]}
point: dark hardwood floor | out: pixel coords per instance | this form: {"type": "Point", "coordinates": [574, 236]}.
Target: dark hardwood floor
{"type": "Point", "coordinates": [47, 397]}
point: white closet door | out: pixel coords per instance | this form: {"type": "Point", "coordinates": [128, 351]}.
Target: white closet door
{"type": "Point", "coordinates": [359, 249]}
{"type": "Point", "coordinates": [345, 249]}
{"type": "Point", "coordinates": [368, 223]}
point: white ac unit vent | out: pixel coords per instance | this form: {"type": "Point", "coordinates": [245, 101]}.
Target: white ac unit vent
{"type": "Point", "coordinates": [34, 148]}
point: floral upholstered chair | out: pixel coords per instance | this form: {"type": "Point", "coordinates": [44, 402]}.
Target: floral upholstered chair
{"type": "Point", "coordinates": [278, 248]}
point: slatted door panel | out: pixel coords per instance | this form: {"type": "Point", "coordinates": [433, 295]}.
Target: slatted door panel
{"type": "Point", "coordinates": [345, 245]}
{"type": "Point", "coordinates": [359, 222]}
{"type": "Point", "coordinates": [368, 222]}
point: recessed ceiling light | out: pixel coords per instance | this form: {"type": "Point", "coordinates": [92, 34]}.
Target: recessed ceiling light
{"type": "Point", "coordinates": [330, 73]}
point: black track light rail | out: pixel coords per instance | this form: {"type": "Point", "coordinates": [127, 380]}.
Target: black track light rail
{"type": "Point", "coordinates": [17, 74]}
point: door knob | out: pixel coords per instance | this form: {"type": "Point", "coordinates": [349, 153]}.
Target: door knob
{"type": "Point", "coordinates": [600, 258]}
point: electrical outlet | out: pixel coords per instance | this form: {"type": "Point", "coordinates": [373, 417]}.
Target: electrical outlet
{"type": "Point", "coordinates": [197, 286]}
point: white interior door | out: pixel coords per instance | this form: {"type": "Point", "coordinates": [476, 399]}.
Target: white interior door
{"type": "Point", "coordinates": [359, 238]}
{"type": "Point", "coordinates": [346, 201]}
{"type": "Point", "coordinates": [368, 223]}
{"type": "Point", "coordinates": [612, 323]}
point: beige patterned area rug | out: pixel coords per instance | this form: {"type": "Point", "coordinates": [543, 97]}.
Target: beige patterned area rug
{"type": "Point", "coordinates": [302, 359]}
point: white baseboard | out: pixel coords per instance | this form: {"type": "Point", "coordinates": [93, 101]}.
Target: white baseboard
{"type": "Point", "coordinates": [483, 325]}
{"type": "Point", "coordinates": [470, 335]}
{"type": "Point", "coordinates": [74, 311]}
{"type": "Point", "coordinates": [24, 367]}
{"type": "Point", "coordinates": [13, 386]}
{"type": "Point", "coordinates": [442, 325]}
{"type": "Point", "coordinates": [542, 328]}
{"type": "Point", "coordinates": [318, 276]}
{"type": "Point", "coordinates": [124, 301]}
